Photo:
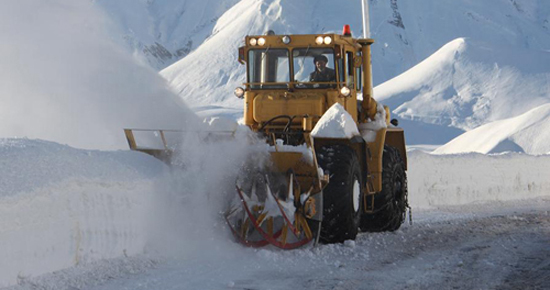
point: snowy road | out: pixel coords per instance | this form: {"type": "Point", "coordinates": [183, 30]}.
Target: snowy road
{"type": "Point", "coordinates": [503, 250]}
{"type": "Point", "coordinates": [485, 246]}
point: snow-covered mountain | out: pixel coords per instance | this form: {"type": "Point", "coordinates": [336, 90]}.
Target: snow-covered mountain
{"type": "Point", "coordinates": [464, 85]}
{"type": "Point", "coordinates": [162, 32]}
{"type": "Point", "coordinates": [406, 33]}
{"type": "Point", "coordinates": [487, 64]}
{"type": "Point", "coordinates": [528, 132]}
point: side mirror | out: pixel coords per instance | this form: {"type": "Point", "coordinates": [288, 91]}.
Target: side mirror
{"type": "Point", "coordinates": [241, 55]}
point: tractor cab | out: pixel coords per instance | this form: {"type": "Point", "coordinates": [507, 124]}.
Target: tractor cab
{"type": "Point", "coordinates": [293, 79]}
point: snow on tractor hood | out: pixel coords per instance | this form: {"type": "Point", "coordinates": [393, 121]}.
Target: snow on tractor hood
{"type": "Point", "coordinates": [336, 122]}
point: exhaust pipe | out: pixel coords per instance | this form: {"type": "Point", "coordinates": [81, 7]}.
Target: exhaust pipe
{"type": "Point", "coordinates": [369, 105]}
{"type": "Point", "coordinates": [366, 20]}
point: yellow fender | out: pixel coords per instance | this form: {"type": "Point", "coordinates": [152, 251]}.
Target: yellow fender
{"type": "Point", "coordinates": [394, 137]}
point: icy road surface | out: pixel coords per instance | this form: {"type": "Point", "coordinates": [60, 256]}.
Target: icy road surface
{"type": "Point", "coordinates": [498, 246]}
{"type": "Point", "coordinates": [504, 250]}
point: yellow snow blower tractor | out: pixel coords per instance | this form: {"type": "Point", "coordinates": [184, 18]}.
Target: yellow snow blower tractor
{"type": "Point", "coordinates": [337, 163]}
{"type": "Point", "coordinates": [343, 162]}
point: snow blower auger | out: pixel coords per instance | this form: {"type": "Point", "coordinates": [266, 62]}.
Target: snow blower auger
{"type": "Point", "coordinates": [281, 205]}
{"type": "Point", "coordinates": [338, 164]}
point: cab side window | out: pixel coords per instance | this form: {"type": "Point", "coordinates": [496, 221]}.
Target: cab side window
{"type": "Point", "coordinates": [359, 80]}
{"type": "Point", "coordinates": [350, 79]}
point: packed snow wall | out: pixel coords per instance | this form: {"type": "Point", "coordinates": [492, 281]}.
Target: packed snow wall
{"type": "Point", "coordinates": [61, 207]}
{"type": "Point", "coordinates": [446, 180]}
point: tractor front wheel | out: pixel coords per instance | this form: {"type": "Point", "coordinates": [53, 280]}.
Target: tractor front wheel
{"type": "Point", "coordinates": [342, 198]}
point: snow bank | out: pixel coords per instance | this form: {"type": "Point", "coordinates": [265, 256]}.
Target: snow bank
{"type": "Point", "coordinates": [441, 180]}
{"type": "Point", "coordinates": [336, 122]}
{"type": "Point", "coordinates": [61, 207]}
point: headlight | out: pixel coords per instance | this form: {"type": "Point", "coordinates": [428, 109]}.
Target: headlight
{"type": "Point", "coordinates": [319, 40]}
{"type": "Point", "coordinates": [345, 91]}
{"type": "Point", "coordinates": [261, 41]}
{"type": "Point", "coordinates": [253, 41]}
{"type": "Point", "coordinates": [239, 92]}
{"type": "Point", "coordinates": [328, 40]}
{"type": "Point", "coordinates": [286, 39]}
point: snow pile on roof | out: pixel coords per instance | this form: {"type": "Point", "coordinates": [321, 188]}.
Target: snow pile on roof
{"type": "Point", "coordinates": [335, 123]}
{"type": "Point", "coordinates": [529, 133]}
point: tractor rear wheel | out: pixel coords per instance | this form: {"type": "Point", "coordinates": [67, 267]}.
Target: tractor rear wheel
{"type": "Point", "coordinates": [390, 205]}
{"type": "Point", "coordinates": [342, 198]}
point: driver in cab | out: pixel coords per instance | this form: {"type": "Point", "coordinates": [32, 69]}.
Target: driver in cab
{"type": "Point", "coordinates": [322, 73]}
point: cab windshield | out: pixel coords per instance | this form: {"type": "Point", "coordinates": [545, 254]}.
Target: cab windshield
{"type": "Point", "coordinates": [314, 65]}
{"type": "Point", "coordinates": [269, 68]}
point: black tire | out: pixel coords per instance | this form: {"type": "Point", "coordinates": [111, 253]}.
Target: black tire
{"type": "Point", "coordinates": [390, 205]}
{"type": "Point", "coordinates": [341, 215]}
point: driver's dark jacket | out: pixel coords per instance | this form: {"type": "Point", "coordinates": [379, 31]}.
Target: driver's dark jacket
{"type": "Point", "coordinates": [328, 75]}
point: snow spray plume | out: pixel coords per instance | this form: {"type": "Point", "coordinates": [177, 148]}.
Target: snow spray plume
{"type": "Point", "coordinates": [200, 188]}
{"type": "Point", "coordinates": [65, 78]}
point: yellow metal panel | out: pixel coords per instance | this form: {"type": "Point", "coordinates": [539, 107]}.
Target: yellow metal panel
{"type": "Point", "coordinates": [351, 106]}
{"type": "Point", "coordinates": [283, 161]}
{"type": "Point", "coordinates": [374, 163]}
{"type": "Point", "coordinates": [248, 110]}
{"type": "Point", "coordinates": [395, 137]}
{"type": "Point", "coordinates": [269, 105]}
